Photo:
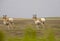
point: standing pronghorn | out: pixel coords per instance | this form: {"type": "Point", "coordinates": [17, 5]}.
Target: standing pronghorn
{"type": "Point", "coordinates": [8, 22]}
{"type": "Point", "coordinates": [38, 22]}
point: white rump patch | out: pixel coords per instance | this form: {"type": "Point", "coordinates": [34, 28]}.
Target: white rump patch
{"type": "Point", "coordinates": [11, 19]}
{"type": "Point", "coordinates": [43, 19]}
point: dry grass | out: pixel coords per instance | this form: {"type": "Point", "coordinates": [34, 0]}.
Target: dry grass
{"type": "Point", "coordinates": [51, 26]}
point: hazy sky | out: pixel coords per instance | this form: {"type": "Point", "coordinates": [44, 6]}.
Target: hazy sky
{"type": "Point", "coordinates": [26, 8]}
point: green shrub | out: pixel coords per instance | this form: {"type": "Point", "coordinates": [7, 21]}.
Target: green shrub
{"type": "Point", "coordinates": [51, 36]}
{"type": "Point", "coordinates": [30, 35]}
{"type": "Point", "coordinates": [2, 37]}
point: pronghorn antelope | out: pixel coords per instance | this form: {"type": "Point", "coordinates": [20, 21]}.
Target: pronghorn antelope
{"type": "Point", "coordinates": [38, 22]}
{"type": "Point", "coordinates": [8, 22]}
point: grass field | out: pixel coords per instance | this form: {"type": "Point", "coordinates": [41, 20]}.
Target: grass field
{"type": "Point", "coordinates": [25, 30]}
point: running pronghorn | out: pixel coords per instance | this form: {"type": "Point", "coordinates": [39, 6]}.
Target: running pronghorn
{"type": "Point", "coordinates": [8, 22]}
{"type": "Point", "coordinates": [38, 22]}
